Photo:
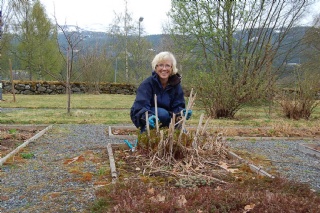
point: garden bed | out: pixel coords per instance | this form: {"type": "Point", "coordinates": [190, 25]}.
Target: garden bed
{"type": "Point", "coordinates": [231, 183]}
{"type": "Point", "coordinates": [13, 136]}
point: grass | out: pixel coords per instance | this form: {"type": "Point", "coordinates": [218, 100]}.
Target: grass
{"type": "Point", "coordinates": [115, 109]}
{"type": "Point", "coordinates": [153, 194]}
{"type": "Point", "coordinates": [78, 101]}
{"type": "Point", "coordinates": [51, 109]}
{"type": "Point", "coordinates": [12, 131]}
{"type": "Point", "coordinates": [27, 155]}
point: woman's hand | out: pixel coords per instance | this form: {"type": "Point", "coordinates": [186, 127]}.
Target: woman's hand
{"type": "Point", "coordinates": [152, 121]}
{"type": "Point", "coordinates": [189, 113]}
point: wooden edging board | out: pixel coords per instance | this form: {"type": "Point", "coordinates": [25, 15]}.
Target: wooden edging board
{"type": "Point", "coordinates": [128, 137]}
{"type": "Point", "coordinates": [111, 135]}
{"type": "Point", "coordinates": [22, 127]}
{"type": "Point", "coordinates": [231, 154]}
{"type": "Point", "coordinates": [16, 150]}
{"type": "Point", "coordinates": [305, 148]}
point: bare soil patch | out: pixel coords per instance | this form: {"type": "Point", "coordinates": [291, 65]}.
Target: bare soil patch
{"type": "Point", "coordinates": [12, 137]}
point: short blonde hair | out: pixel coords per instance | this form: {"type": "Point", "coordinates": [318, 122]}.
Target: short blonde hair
{"type": "Point", "coordinates": [165, 56]}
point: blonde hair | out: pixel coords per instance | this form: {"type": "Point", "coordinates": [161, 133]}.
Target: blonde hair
{"type": "Point", "coordinates": [165, 56]}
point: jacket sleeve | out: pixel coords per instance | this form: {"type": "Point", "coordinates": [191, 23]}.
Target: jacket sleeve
{"type": "Point", "coordinates": [142, 103]}
{"type": "Point", "coordinates": [179, 101]}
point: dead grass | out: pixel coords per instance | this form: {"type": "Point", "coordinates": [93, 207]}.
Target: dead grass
{"type": "Point", "coordinates": [241, 192]}
{"type": "Point", "coordinates": [198, 180]}
{"type": "Point", "coordinates": [163, 191]}
{"type": "Point", "coordinates": [12, 138]}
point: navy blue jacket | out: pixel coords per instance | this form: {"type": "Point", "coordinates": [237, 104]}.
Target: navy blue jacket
{"type": "Point", "coordinates": [170, 98]}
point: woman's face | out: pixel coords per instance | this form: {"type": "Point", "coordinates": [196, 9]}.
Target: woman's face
{"type": "Point", "coordinates": [164, 69]}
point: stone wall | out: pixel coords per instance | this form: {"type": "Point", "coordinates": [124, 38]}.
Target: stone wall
{"type": "Point", "coordinates": [55, 87]}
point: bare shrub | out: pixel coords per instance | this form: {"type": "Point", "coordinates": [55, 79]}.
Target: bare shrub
{"type": "Point", "coordinates": [300, 101]}
{"type": "Point", "coordinates": [297, 109]}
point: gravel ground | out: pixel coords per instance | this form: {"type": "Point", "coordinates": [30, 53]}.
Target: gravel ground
{"type": "Point", "coordinates": [10, 109]}
{"type": "Point", "coordinates": [45, 183]}
{"type": "Point", "coordinates": [286, 158]}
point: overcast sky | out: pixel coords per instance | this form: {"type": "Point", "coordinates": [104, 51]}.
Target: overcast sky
{"type": "Point", "coordinates": [100, 13]}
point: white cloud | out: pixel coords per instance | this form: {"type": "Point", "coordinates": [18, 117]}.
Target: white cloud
{"type": "Point", "coordinates": [93, 13]}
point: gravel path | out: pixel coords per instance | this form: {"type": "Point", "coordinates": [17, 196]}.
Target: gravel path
{"type": "Point", "coordinates": [286, 159]}
{"type": "Point", "coordinates": [46, 184]}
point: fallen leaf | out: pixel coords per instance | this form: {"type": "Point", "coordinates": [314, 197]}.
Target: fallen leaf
{"type": "Point", "coordinates": [181, 201]}
{"type": "Point", "coordinates": [233, 170]}
{"type": "Point", "coordinates": [78, 158]}
{"type": "Point", "coordinates": [87, 176]}
{"type": "Point", "coordinates": [218, 188]}
{"type": "Point", "coordinates": [158, 198]}
{"type": "Point", "coordinates": [249, 207]}
{"type": "Point", "coordinates": [151, 191]}
{"type": "Point", "coordinates": [226, 167]}
{"type": "Point", "coordinates": [223, 165]}
{"type": "Point", "coordinates": [116, 208]}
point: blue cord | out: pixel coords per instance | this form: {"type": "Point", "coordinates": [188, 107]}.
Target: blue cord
{"type": "Point", "coordinates": [132, 147]}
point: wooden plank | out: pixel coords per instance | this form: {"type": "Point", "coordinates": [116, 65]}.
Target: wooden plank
{"type": "Point", "coordinates": [128, 137]}
{"type": "Point", "coordinates": [22, 127]}
{"type": "Point", "coordinates": [16, 150]}
{"type": "Point", "coordinates": [120, 146]}
{"type": "Point", "coordinates": [252, 167]}
{"type": "Point", "coordinates": [259, 170]}
{"type": "Point", "coordinates": [114, 174]}
{"type": "Point", "coordinates": [307, 149]}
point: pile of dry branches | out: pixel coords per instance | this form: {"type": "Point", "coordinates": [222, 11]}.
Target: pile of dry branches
{"type": "Point", "coordinates": [183, 153]}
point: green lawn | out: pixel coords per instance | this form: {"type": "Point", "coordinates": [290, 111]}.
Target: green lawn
{"type": "Point", "coordinates": [115, 109]}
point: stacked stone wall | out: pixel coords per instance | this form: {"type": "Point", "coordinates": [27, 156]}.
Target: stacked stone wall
{"type": "Point", "coordinates": [53, 88]}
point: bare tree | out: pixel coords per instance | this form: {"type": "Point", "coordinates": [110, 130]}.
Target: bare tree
{"type": "Point", "coordinates": [95, 66]}
{"type": "Point", "coordinates": [228, 47]}
{"type": "Point", "coordinates": [73, 39]}
{"type": "Point", "coordinates": [312, 52]}
{"type": "Point", "coordinates": [131, 51]}
{"type": "Point", "coordinates": [300, 99]}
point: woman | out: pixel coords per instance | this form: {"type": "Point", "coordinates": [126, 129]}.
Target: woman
{"type": "Point", "coordinates": [165, 83]}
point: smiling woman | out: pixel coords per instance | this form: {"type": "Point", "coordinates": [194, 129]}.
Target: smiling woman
{"type": "Point", "coordinates": [160, 95]}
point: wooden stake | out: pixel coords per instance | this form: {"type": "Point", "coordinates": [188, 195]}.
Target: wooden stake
{"type": "Point", "coordinates": [194, 143]}
{"type": "Point", "coordinates": [156, 111]}
{"type": "Point", "coordinates": [147, 123]}
{"type": "Point", "coordinates": [162, 149]}
{"type": "Point", "coordinates": [205, 127]}
{"type": "Point", "coordinates": [184, 118]}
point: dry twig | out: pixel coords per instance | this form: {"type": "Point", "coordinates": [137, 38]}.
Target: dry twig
{"type": "Point", "coordinates": [156, 111]}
